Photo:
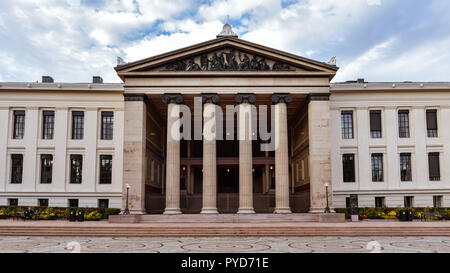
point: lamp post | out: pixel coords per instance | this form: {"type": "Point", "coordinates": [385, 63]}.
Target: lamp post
{"type": "Point", "coordinates": [327, 209]}
{"type": "Point", "coordinates": [127, 211]}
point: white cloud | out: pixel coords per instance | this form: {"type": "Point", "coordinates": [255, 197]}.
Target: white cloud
{"type": "Point", "coordinates": [363, 63]}
{"type": "Point", "coordinates": [152, 46]}
{"type": "Point", "coordinates": [72, 41]}
{"type": "Point", "coordinates": [373, 2]}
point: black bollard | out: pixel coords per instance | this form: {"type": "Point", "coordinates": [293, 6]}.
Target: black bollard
{"type": "Point", "coordinates": [80, 217]}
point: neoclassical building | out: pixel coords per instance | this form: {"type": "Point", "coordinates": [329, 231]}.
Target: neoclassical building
{"type": "Point", "coordinates": [185, 131]}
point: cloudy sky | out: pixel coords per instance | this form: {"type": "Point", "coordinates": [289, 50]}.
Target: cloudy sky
{"type": "Point", "coordinates": [72, 40]}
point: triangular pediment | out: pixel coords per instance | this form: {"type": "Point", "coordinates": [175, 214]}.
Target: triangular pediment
{"type": "Point", "coordinates": [226, 55]}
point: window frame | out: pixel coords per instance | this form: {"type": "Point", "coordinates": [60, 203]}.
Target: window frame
{"type": "Point", "coordinates": [408, 199]}
{"type": "Point", "coordinates": [432, 129]}
{"type": "Point", "coordinates": [13, 178]}
{"type": "Point", "coordinates": [375, 134]}
{"type": "Point", "coordinates": [352, 168]}
{"type": "Point", "coordinates": [48, 126]}
{"type": "Point", "coordinates": [107, 125]}
{"type": "Point", "coordinates": [77, 132]}
{"type": "Point", "coordinates": [102, 179]}
{"type": "Point", "coordinates": [18, 131]}
{"type": "Point", "coordinates": [74, 177]}
{"type": "Point", "coordinates": [73, 199]}
{"type": "Point", "coordinates": [47, 176]}
{"type": "Point", "coordinates": [45, 200]}
{"type": "Point", "coordinates": [379, 172]}
{"type": "Point", "coordinates": [430, 176]}
{"type": "Point", "coordinates": [383, 201]}
{"type": "Point", "coordinates": [407, 177]}
{"type": "Point", "coordinates": [103, 200]}
{"type": "Point", "coordinates": [347, 125]}
{"type": "Point", "coordinates": [403, 124]}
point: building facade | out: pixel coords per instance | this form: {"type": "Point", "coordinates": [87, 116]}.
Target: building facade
{"type": "Point", "coordinates": [96, 144]}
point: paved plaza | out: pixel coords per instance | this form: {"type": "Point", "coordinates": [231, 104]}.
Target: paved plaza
{"type": "Point", "coordinates": [223, 244]}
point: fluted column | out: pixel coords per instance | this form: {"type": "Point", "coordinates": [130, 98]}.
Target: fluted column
{"type": "Point", "coordinates": [173, 154]}
{"type": "Point", "coordinates": [281, 153]}
{"type": "Point", "coordinates": [209, 197]}
{"type": "Point", "coordinates": [245, 102]}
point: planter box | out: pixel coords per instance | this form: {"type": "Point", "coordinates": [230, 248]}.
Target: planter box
{"type": "Point", "coordinates": [2, 217]}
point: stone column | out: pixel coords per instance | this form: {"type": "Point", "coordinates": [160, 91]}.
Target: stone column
{"type": "Point", "coordinates": [245, 136]}
{"type": "Point", "coordinates": [319, 151]}
{"type": "Point", "coordinates": [134, 159]}
{"type": "Point", "coordinates": [281, 153]}
{"type": "Point", "coordinates": [209, 196]}
{"type": "Point", "coordinates": [173, 154]}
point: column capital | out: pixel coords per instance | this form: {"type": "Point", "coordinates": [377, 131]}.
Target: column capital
{"type": "Point", "coordinates": [281, 98]}
{"type": "Point", "coordinates": [135, 97]}
{"type": "Point", "coordinates": [210, 98]}
{"type": "Point", "coordinates": [173, 98]}
{"type": "Point", "coordinates": [245, 98]}
{"type": "Point", "coordinates": [318, 96]}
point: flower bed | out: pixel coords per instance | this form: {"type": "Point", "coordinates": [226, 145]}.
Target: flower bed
{"type": "Point", "coordinates": [394, 213]}
{"type": "Point", "coordinates": [54, 213]}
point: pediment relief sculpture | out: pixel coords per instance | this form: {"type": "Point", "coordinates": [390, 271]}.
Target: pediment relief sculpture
{"type": "Point", "coordinates": [227, 60]}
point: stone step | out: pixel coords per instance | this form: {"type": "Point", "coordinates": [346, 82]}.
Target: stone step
{"type": "Point", "coordinates": [193, 230]}
{"type": "Point", "coordinates": [228, 218]}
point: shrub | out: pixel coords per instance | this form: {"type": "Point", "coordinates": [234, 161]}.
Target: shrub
{"type": "Point", "coordinates": [394, 213]}
{"type": "Point", "coordinates": [53, 213]}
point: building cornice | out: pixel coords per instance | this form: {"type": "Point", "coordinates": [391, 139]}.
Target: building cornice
{"type": "Point", "coordinates": [389, 86]}
{"type": "Point", "coordinates": [27, 86]}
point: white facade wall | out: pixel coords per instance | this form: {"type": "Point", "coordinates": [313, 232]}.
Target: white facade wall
{"type": "Point", "coordinates": [389, 98]}
{"type": "Point", "coordinates": [34, 98]}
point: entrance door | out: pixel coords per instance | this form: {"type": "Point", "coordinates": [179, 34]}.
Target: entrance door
{"type": "Point", "coordinates": [228, 179]}
{"type": "Point", "coordinates": [228, 189]}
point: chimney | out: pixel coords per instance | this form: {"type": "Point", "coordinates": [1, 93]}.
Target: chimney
{"type": "Point", "coordinates": [47, 79]}
{"type": "Point", "coordinates": [360, 80]}
{"type": "Point", "coordinates": [97, 79]}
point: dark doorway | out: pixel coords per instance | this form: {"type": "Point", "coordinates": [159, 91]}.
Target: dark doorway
{"type": "Point", "coordinates": [228, 179]}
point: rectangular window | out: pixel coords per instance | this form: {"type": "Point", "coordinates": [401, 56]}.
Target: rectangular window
{"type": "Point", "coordinates": [48, 124]}
{"type": "Point", "coordinates": [348, 165]}
{"type": "Point", "coordinates": [73, 203]}
{"type": "Point", "coordinates": [13, 202]}
{"type": "Point", "coordinates": [405, 167]}
{"type": "Point", "coordinates": [347, 202]}
{"type": "Point", "coordinates": [375, 123]}
{"type": "Point", "coordinates": [43, 202]}
{"type": "Point", "coordinates": [408, 201]}
{"type": "Point", "coordinates": [103, 203]}
{"type": "Point", "coordinates": [379, 202]}
{"type": "Point", "coordinates": [77, 125]}
{"type": "Point", "coordinates": [16, 168]}
{"type": "Point", "coordinates": [347, 124]}
{"type": "Point", "coordinates": [403, 123]}
{"type": "Point", "coordinates": [377, 167]}
{"type": "Point", "coordinates": [433, 167]}
{"type": "Point", "coordinates": [437, 201]}
{"type": "Point", "coordinates": [76, 169]}
{"type": "Point", "coordinates": [19, 124]}
{"type": "Point", "coordinates": [46, 169]}
{"type": "Point", "coordinates": [107, 125]}
{"type": "Point", "coordinates": [432, 123]}
{"type": "Point", "coordinates": [105, 169]}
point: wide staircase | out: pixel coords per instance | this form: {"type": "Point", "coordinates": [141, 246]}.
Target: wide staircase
{"type": "Point", "coordinates": [228, 218]}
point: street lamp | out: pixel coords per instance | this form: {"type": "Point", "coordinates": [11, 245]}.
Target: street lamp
{"type": "Point", "coordinates": [127, 211]}
{"type": "Point", "coordinates": [327, 209]}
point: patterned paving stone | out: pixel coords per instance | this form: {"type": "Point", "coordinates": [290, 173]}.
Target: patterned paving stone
{"type": "Point", "coordinates": [224, 244]}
